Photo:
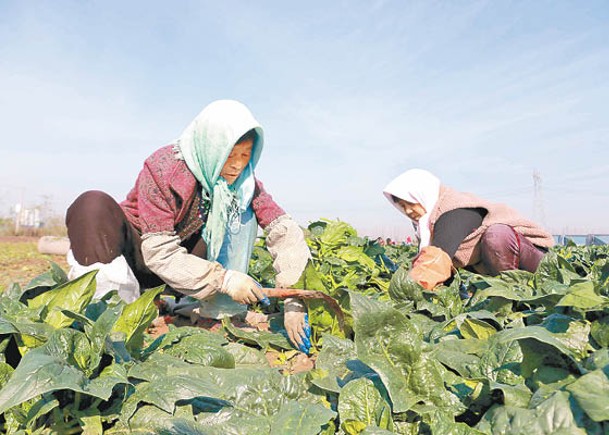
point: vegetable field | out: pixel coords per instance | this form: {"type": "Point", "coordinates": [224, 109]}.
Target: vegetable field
{"type": "Point", "coordinates": [520, 353]}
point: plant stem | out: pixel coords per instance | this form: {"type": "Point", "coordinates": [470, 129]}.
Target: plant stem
{"type": "Point", "coordinates": [77, 398]}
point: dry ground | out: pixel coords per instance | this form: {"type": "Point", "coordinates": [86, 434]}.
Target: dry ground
{"type": "Point", "coordinates": [20, 260]}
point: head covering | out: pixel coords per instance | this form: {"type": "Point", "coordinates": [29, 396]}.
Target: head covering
{"type": "Point", "coordinates": [205, 146]}
{"type": "Point", "coordinates": [420, 187]}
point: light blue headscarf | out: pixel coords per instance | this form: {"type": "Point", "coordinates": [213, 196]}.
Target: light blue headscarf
{"type": "Point", "coordinates": [205, 145]}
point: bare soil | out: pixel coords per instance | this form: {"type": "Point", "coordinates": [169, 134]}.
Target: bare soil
{"type": "Point", "coordinates": [20, 260]}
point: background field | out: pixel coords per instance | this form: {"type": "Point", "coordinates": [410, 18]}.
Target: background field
{"type": "Point", "coordinates": [20, 260]}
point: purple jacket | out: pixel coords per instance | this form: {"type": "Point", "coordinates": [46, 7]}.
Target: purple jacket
{"type": "Point", "coordinates": [165, 198]}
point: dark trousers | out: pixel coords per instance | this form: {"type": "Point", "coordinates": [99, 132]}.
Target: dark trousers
{"type": "Point", "coordinates": [100, 232]}
{"type": "Point", "coordinates": [503, 248]}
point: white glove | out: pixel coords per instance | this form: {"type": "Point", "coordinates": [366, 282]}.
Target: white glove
{"type": "Point", "coordinates": [294, 312]}
{"type": "Point", "coordinates": [242, 288]}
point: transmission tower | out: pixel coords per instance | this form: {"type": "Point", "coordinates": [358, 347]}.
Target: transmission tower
{"type": "Point", "coordinates": [538, 209]}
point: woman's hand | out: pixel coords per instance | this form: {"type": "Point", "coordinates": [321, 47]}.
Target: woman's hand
{"type": "Point", "coordinates": [296, 322]}
{"type": "Point", "coordinates": [242, 288]}
{"type": "Point", "coordinates": [431, 267]}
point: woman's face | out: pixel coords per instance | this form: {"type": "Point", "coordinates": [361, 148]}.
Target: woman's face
{"type": "Point", "coordinates": [412, 209]}
{"type": "Point", "coordinates": [237, 160]}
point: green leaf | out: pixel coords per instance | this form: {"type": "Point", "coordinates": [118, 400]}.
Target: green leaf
{"type": "Point", "coordinates": [24, 323]}
{"type": "Point", "coordinates": [597, 360]}
{"type": "Point", "coordinates": [264, 339]}
{"type": "Point", "coordinates": [54, 277]}
{"type": "Point", "coordinates": [92, 424]}
{"type": "Point", "coordinates": [324, 321]}
{"type": "Point", "coordinates": [332, 362]}
{"type": "Point", "coordinates": [175, 335]}
{"type": "Point", "coordinates": [387, 342]}
{"type": "Point", "coordinates": [13, 291]}
{"type": "Point", "coordinates": [474, 328]}
{"type": "Point", "coordinates": [538, 345]}
{"type": "Point", "coordinates": [98, 333]}
{"type": "Point", "coordinates": [355, 254]}
{"type": "Point", "coordinates": [513, 395]}
{"type": "Point", "coordinates": [261, 267]}
{"type": "Point", "coordinates": [110, 376]}
{"type": "Point", "coordinates": [360, 401]}
{"type": "Point", "coordinates": [257, 398]}
{"type": "Point", "coordinates": [582, 296]}
{"type": "Point", "coordinates": [553, 416]}
{"type": "Point", "coordinates": [73, 296]}
{"type": "Point", "coordinates": [443, 423]}
{"type": "Point", "coordinates": [353, 427]}
{"type": "Point", "coordinates": [599, 330]}
{"type": "Point", "coordinates": [136, 317]}
{"type": "Point", "coordinates": [501, 361]}
{"type": "Point", "coordinates": [461, 356]}
{"type": "Point", "coordinates": [158, 366]}
{"type": "Point", "coordinates": [40, 408]}
{"type": "Point", "coordinates": [51, 367]}
{"type": "Point", "coordinates": [6, 372]}
{"type": "Point", "coordinates": [199, 349]}
{"type": "Point", "coordinates": [574, 334]}
{"type": "Point", "coordinates": [336, 233]}
{"type": "Point", "coordinates": [591, 392]}
{"type": "Point", "coordinates": [300, 419]}
{"type": "Point", "coordinates": [403, 288]}
{"type": "Point", "coordinates": [246, 356]}
{"type": "Point", "coordinates": [166, 391]}
{"type": "Point", "coordinates": [311, 279]}
{"type": "Point", "coordinates": [149, 420]}
{"type": "Point", "coordinates": [251, 396]}
{"type": "Point", "coordinates": [376, 431]}
{"type": "Point", "coordinates": [554, 377]}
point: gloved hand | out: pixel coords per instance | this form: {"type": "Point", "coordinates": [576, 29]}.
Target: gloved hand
{"type": "Point", "coordinates": [431, 267]}
{"type": "Point", "coordinates": [296, 322]}
{"type": "Point", "coordinates": [242, 288]}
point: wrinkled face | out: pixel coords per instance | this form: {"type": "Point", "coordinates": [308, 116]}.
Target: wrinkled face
{"type": "Point", "coordinates": [237, 160]}
{"type": "Point", "coordinates": [412, 209]}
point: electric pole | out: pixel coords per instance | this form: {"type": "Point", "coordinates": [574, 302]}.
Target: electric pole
{"type": "Point", "coordinates": [538, 209]}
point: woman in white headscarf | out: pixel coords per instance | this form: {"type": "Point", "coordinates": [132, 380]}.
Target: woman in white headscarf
{"type": "Point", "coordinates": [462, 230]}
{"type": "Point", "coordinates": [191, 221]}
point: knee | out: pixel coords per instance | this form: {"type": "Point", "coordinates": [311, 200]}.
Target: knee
{"type": "Point", "coordinates": [498, 238]}
{"type": "Point", "coordinates": [91, 198]}
{"type": "Point", "coordinates": [89, 203]}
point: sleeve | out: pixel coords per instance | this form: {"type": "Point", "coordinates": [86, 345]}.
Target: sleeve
{"type": "Point", "coordinates": [285, 239]}
{"type": "Point", "coordinates": [287, 245]}
{"type": "Point", "coordinates": [265, 208]}
{"type": "Point", "coordinates": [454, 226]}
{"type": "Point", "coordinates": [156, 207]}
{"type": "Point", "coordinates": [184, 272]}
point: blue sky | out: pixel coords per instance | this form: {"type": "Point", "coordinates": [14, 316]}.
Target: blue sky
{"type": "Point", "coordinates": [350, 94]}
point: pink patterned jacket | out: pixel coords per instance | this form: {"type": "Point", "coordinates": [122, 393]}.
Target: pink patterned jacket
{"type": "Point", "coordinates": [165, 198]}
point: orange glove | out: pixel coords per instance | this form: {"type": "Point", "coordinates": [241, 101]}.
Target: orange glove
{"type": "Point", "coordinates": [431, 267]}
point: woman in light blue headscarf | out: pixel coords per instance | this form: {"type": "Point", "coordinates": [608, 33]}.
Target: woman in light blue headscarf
{"type": "Point", "coordinates": [191, 221]}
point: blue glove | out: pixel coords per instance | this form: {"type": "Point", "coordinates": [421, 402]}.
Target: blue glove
{"type": "Point", "coordinates": [265, 301]}
{"type": "Point", "coordinates": [306, 339]}
{"type": "Point", "coordinates": [296, 322]}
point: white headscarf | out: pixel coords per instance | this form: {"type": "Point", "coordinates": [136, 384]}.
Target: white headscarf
{"type": "Point", "coordinates": [420, 187]}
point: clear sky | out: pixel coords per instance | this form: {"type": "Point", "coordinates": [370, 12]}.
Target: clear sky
{"type": "Point", "coordinates": [350, 94]}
